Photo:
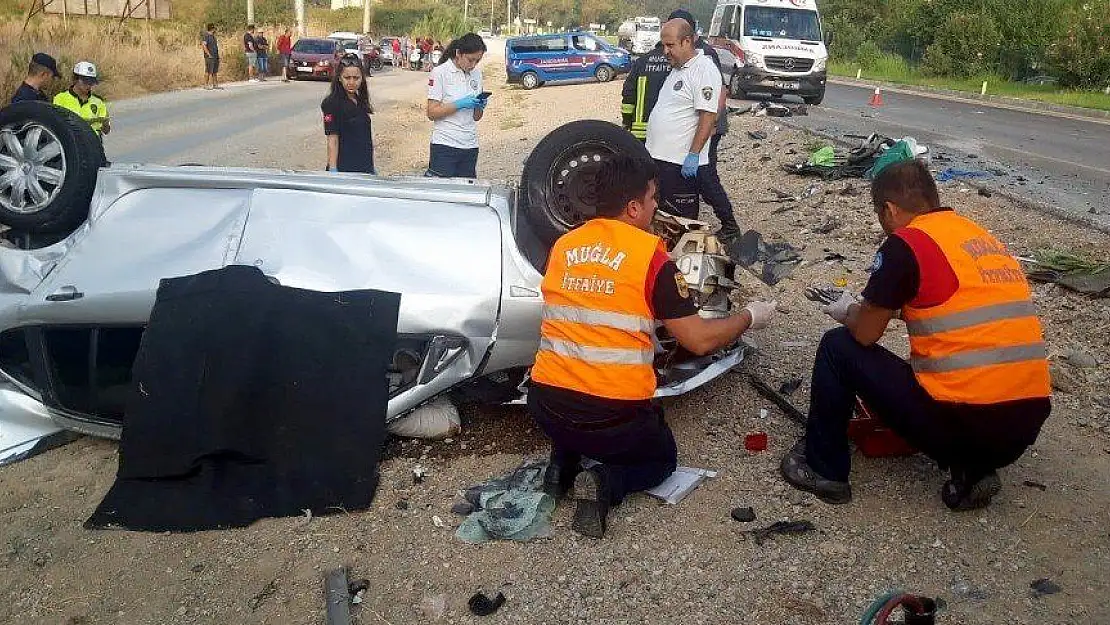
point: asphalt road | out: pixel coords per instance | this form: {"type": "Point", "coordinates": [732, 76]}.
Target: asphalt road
{"type": "Point", "coordinates": [269, 124]}
{"type": "Point", "coordinates": [1058, 161]}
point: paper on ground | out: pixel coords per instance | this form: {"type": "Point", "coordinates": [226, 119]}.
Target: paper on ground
{"type": "Point", "coordinates": [681, 483]}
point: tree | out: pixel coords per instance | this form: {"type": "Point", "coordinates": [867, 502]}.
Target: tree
{"type": "Point", "coordinates": [1081, 55]}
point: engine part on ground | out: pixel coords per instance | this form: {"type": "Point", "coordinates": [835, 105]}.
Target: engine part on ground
{"type": "Point", "coordinates": [337, 597]}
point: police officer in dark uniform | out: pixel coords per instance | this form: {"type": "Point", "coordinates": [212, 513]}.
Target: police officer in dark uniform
{"type": "Point", "coordinates": [42, 69]}
{"type": "Point", "coordinates": [638, 97]}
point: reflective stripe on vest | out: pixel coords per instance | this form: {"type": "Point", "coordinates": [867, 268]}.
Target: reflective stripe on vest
{"type": "Point", "coordinates": [596, 333]}
{"type": "Point", "coordinates": [973, 317]}
{"type": "Point", "coordinates": [984, 345]}
{"type": "Point", "coordinates": [981, 358]}
{"type": "Point", "coordinates": [598, 355]}
{"type": "Point", "coordinates": [618, 321]}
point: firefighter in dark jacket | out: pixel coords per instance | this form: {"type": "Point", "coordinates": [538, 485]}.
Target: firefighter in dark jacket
{"type": "Point", "coordinates": [641, 90]}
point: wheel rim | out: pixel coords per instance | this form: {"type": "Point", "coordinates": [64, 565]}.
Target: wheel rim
{"type": "Point", "coordinates": [603, 74]}
{"type": "Point", "coordinates": [571, 177]}
{"type": "Point", "coordinates": [530, 80]}
{"type": "Point", "coordinates": [32, 168]}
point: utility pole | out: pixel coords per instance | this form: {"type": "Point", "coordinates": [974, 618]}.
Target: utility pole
{"type": "Point", "coordinates": [365, 16]}
{"type": "Point", "coordinates": [466, 9]}
{"type": "Point", "coordinates": [509, 16]}
{"type": "Point", "coordinates": [298, 7]}
{"type": "Point", "coordinates": [250, 11]}
{"type": "Point", "coordinates": [491, 17]}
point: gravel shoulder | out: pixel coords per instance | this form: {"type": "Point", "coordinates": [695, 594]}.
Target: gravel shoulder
{"type": "Point", "coordinates": [689, 563]}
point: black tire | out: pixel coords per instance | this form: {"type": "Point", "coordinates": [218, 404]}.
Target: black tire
{"type": "Point", "coordinates": [557, 183]}
{"type": "Point", "coordinates": [734, 89]}
{"type": "Point", "coordinates": [603, 73]}
{"type": "Point", "coordinates": [815, 100]}
{"type": "Point", "coordinates": [376, 64]}
{"type": "Point", "coordinates": [81, 155]}
{"type": "Point", "coordinates": [530, 80]}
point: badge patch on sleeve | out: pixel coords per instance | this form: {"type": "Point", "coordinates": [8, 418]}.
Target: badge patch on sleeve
{"type": "Point", "coordinates": [683, 288]}
{"type": "Point", "coordinates": [678, 85]}
{"type": "Point", "coordinates": [707, 92]}
{"type": "Point", "coordinates": [877, 263]}
{"type": "Point", "coordinates": [431, 82]}
{"type": "Point", "coordinates": [328, 118]}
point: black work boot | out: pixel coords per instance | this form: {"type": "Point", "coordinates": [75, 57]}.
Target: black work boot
{"type": "Point", "coordinates": [797, 472]}
{"type": "Point", "coordinates": [591, 491]}
{"type": "Point", "coordinates": [961, 493]}
{"type": "Point", "coordinates": [558, 478]}
{"type": "Point", "coordinates": [728, 234]}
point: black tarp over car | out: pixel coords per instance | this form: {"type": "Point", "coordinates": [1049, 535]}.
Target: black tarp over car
{"type": "Point", "coordinates": [252, 400]}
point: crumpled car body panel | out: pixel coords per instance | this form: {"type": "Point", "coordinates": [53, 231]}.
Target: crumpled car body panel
{"type": "Point", "coordinates": [470, 305]}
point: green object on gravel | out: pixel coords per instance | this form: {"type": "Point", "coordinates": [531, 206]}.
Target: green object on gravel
{"type": "Point", "coordinates": [900, 151]}
{"type": "Point", "coordinates": [825, 157]}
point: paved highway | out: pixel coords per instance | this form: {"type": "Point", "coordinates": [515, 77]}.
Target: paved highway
{"type": "Point", "coordinates": [1054, 160]}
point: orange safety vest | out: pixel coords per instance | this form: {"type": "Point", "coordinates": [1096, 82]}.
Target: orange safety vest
{"type": "Point", "coordinates": [984, 345]}
{"type": "Point", "coordinates": [596, 335]}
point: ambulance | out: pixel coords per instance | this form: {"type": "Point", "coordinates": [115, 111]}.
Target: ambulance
{"type": "Point", "coordinates": [775, 47]}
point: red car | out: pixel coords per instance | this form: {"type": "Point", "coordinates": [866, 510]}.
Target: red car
{"type": "Point", "coordinates": [314, 58]}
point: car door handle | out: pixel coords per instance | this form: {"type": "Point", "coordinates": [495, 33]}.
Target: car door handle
{"type": "Point", "coordinates": [65, 294]}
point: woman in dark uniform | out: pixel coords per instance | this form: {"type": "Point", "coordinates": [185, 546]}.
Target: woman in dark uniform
{"type": "Point", "coordinates": [347, 112]}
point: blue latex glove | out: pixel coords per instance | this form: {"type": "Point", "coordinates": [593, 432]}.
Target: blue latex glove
{"type": "Point", "coordinates": [482, 102]}
{"type": "Point", "coordinates": [690, 166]}
{"type": "Point", "coordinates": [467, 102]}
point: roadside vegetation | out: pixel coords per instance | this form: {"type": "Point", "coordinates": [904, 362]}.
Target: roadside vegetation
{"type": "Point", "coordinates": [1011, 44]}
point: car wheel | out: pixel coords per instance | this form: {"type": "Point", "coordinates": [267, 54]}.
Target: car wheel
{"type": "Point", "coordinates": [557, 184]}
{"type": "Point", "coordinates": [815, 100]}
{"type": "Point", "coordinates": [529, 80]}
{"type": "Point", "coordinates": [376, 64]}
{"type": "Point", "coordinates": [604, 73]}
{"type": "Point", "coordinates": [48, 163]}
{"type": "Point", "coordinates": [734, 88]}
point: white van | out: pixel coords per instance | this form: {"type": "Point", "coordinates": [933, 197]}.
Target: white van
{"type": "Point", "coordinates": [771, 46]}
{"type": "Point", "coordinates": [639, 35]}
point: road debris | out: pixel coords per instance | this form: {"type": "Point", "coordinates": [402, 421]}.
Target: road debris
{"type": "Point", "coordinates": [755, 442]}
{"type": "Point", "coordinates": [1032, 484]}
{"type": "Point", "coordinates": [1071, 271]}
{"type": "Point", "coordinates": [357, 590]}
{"type": "Point", "coordinates": [951, 173]}
{"type": "Point", "coordinates": [337, 598]}
{"type": "Point", "coordinates": [481, 605]}
{"type": "Point", "coordinates": [743, 515]}
{"type": "Point", "coordinates": [781, 528]}
{"type": "Point", "coordinates": [512, 506]}
{"type": "Point", "coordinates": [1044, 586]}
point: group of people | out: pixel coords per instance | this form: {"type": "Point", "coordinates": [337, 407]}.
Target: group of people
{"type": "Point", "coordinates": [420, 53]}
{"type": "Point", "coordinates": [256, 50]}
{"type": "Point", "coordinates": [79, 98]}
{"type": "Point", "coordinates": [972, 396]}
{"type": "Point", "coordinates": [455, 105]}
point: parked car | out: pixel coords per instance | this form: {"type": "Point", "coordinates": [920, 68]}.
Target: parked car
{"type": "Point", "coordinates": [314, 58]}
{"type": "Point", "coordinates": [534, 60]}
{"type": "Point", "coordinates": [73, 307]}
{"type": "Point", "coordinates": [385, 45]}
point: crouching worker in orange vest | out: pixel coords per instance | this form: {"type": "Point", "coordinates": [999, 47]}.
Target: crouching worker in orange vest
{"type": "Point", "coordinates": [975, 391]}
{"type": "Point", "coordinates": [593, 382]}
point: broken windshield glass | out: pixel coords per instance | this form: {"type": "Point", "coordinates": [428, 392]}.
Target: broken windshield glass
{"type": "Point", "coordinates": [781, 23]}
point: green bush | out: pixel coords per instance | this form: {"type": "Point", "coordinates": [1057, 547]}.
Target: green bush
{"type": "Point", "coordinates": [868, 55]}
{"type": "Point", "coordinates": [970, 41]}
{"type": "Point", "coordinates": [1081, 56]}
{"type": "Point", "coordinates": [443, 24]}
{"type": "Point", "coordinates": [937, 62]}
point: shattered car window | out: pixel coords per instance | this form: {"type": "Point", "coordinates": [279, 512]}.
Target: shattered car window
{"type": "Point", "coordinates": [781, 23]}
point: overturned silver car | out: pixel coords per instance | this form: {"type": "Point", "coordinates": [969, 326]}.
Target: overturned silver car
{"type": "Point", "coordinates": [84, 258]}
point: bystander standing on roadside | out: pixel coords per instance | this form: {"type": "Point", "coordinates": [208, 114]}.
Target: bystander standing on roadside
{"type": "Point", "coordinates": [80, 99]}
{"type": "Point", "coordinates": [262, 46]}
{"type": "Point", "coordinates": [347, 110]}
{"type": "Point", "coordinates": [395, 45]}
{"type": "Point", "coordinates": [455, 106]}
{"type": "Point", "coordinates": [211, 50]}
{"type": "Point", "coordinates": [40, 72]}
{"type": "Point", "coordinates": [251, 52]}
{"type": "Point", "coordinates": [285, 48]}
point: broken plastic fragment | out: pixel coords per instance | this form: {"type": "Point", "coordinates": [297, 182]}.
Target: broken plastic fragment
{"type": "Point", "coordinates": [481, 605]}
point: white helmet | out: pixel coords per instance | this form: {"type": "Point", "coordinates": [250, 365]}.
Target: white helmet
{"type": "Point", "coordinates": [86, 70]}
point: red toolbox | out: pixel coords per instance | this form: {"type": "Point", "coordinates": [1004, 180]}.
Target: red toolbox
{"type": "Point", "coordinates": [874, 439]}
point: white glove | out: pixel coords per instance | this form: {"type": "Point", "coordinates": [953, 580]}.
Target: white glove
{"type": "Point", "coordinates": [838, 310]}
{"type": "Point", "coordinates": [761, 313]}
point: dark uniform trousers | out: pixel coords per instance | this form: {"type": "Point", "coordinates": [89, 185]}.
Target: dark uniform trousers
{"type": "Point", "coordinates": [680, 195]}
{"type": "Point", "coordinates": [974, 444]}
{"type": "Point", "coordinates": [637, 451]}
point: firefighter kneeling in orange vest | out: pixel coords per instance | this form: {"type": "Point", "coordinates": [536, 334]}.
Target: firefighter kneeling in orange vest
{"type": "Point", "coordinates": [976, 389]}
{"type": "Point", "coordinates": [593, 382]}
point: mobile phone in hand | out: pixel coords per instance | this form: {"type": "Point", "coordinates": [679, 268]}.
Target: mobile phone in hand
{"type": "Point", "coordinates": [485, 94]}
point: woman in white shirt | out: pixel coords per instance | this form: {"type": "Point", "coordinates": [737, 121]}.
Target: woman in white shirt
{"type": "Point", "coordinates": [455, 104]}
